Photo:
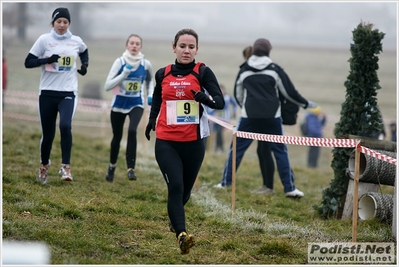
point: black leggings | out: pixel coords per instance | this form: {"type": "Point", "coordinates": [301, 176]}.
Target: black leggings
{"type": "Point", "coordinates": [117, 122]}
{"type": "Point", "coordinates": [266, 163]}
{"type": "Point", "coordinates": [50, 104]}
{"type": "Point", "coordinates": [179, 163]}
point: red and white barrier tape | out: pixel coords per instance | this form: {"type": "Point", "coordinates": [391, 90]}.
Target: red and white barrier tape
{"type": "Point", "coordinates": [20, 116]}
{"type": "Point", "coordinates": [21, 102]}
{"type": "Point", "coordinates": [307, 141]}
{"type": "Point", "coordinates": [84, 104]}
{"type": "Point", "coordinates": [293, 140]}
{"type": "Point", "coordinates": [34, 103]}
{"type": "Point", "coordinates": [297, 140]}
{"type": "Point", "coordinates": [221, 122]}
{"type": "Point", "coordinates": [377, 155]}
{"type": "Point", "coordinates": [24, 94]}
{"type": "Point", "coordinates": [74, 122]}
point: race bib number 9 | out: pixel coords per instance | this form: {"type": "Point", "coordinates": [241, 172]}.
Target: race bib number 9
{"type": "Point", "coordinates": [181, 112]}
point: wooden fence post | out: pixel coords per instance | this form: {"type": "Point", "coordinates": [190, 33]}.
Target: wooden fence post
{"type": "Point", "coordinates": [355, 195]}
{"type": "Point", "coordinates": [233, 172]}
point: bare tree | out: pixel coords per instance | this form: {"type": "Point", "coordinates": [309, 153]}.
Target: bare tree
{"type": "Point", "coordinates": [77, 25]}
{"type": "Point", "coordinates": [22, 15]}
{"type": "Point", "coordinates": [22, 21]}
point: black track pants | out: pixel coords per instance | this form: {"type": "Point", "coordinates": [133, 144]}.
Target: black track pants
{"type": "Point", "coordinates": [179, 163]}
{"type": "Point", "coordinates": [50, 104]}
{"type": "Point", "coordinates": [117, 122]}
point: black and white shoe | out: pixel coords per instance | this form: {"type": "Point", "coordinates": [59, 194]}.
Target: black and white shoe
{"type": "Point", "coordinates": [296, 194]}
{"type": "Point", "coordinates": [110, 173]}
{"type": "Point", "coordinates": [131, 175]}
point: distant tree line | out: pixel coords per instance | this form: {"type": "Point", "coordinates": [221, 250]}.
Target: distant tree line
{"type": "Point", "coordinates": [21, 15]}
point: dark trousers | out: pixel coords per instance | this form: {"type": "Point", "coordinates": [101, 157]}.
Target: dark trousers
{"type": "Point", "coordinates": [313, 156]}
{"type": "Point", "coordinates": [50, 104]}
{"type": "Point", "coordinates": [219, 137]}
{"type": "Point", "coordinates": [117, 122]}
{"type": "Point", "coordinates": [266, 126]}
{"type": "Point", "coordinates": [179, 163]}
{"type": "Point", "coordinates": [266, 163]}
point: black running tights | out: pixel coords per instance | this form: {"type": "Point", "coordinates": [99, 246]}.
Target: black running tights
{"type": "Point", "coordinates": [179, 163]}
{"type": "Point", "coordinates": [50, 104]}
{"type": "Point", "coordinates": [117, 122]}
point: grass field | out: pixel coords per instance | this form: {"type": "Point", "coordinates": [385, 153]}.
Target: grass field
{"type": "Point", "coordinates": [90, 221]}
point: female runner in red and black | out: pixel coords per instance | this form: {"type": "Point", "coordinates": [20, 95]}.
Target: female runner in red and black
{"type": "Point", "coordinates": [178, 116]}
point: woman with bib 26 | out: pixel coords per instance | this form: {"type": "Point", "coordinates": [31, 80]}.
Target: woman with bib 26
{"type": "Point", "coordinates": [129, 75]}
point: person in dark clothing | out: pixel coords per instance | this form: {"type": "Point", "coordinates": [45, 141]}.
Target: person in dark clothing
{"type": "Point", "coordinates": [229, 112]}
{"type": "Point", "coordinates": [392, 127]}
{"type": "Point", "coordinates": [258, 85]}
{"type": "Point", "coordinates": [266, 161]}
{"type": "Point", "coordinates": [178, 115]}
{"type": "Point", "coordinates": [315, 121]}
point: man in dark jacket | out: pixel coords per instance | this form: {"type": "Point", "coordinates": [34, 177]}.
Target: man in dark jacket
{"type": "Point", "coordinates": [259, 84]}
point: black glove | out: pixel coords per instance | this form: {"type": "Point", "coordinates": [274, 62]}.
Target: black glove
{"type": "Point", "coordinates": [52, 59]}
{"type": "Point", "coordinates": [83, 70]}
{"type": "Point", "coordinates": [203, 98]}
{"type": "Point", "coordinates": [150, 126]}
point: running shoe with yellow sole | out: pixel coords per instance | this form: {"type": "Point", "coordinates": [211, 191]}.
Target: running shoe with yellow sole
{"type": "Point", "coordinates": [185, 242]}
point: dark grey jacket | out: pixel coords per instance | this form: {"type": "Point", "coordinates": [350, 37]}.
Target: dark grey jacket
{"type": "Point", "coordinates": [259, 86]}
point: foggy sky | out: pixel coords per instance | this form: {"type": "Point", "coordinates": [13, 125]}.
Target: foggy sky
{"type": "Point", "coordinates": [326, 24]}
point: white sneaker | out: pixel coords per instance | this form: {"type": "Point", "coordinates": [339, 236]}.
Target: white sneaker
{"type": "Point", "coordinates": [219, 186]}
{"type": "Point", "coordinates": [295, 193]}
{"type": "Point", "coordinates": [65, 172]}
{"type": "Point", "coordinates": [43, 172]}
